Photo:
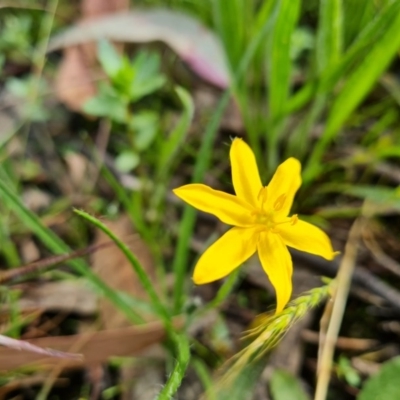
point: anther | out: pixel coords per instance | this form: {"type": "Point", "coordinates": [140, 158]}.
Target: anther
{"type": "Point", "coordinates": [294, 219]}
{"type": "Point", "coordinates": [262, 195]}
{"type": "Point", "coordinates": [279, 202]}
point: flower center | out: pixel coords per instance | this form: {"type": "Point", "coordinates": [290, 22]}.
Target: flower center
{"type": "Point", "coordinates": [267, 217]}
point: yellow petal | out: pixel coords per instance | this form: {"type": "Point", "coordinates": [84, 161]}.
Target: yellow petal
{"type": "Point", "coordinates": [277, 263]}
{"type": "Point", "coordinates": [307, 237]}
{"type": "Point", "coordinates": [228, 208]}
{"type": "Point", "coordinates": [245, 175]}
{"type": "Point", "coordinates": [226, 254]}
{"type": "Point", "coordinates": [283, 187]}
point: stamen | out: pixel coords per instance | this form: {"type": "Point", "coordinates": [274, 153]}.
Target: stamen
{"type": "Point", "coordinates": [294, 219]}
{"type": "Point", "coordinates": [279, 202]}
{"type": "Point", "coordinates": [263, 195]}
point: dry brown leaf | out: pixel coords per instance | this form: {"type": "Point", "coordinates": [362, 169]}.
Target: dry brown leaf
{"type": "Point", "coordinates": [112, 266]}
{"type": "Point", "coordinates": [95, 347]}
{"type": "Point", "coordinates": [62, 296]}
{"type": "Point", "coordinates": [23, 345]}
{"type": "Point", "coordinates": [74, 83]}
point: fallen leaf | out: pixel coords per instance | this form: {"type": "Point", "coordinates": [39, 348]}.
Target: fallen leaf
{"type": "Point", "coordinates": [61, 296]}
{"type": "Point", "coordinates": [23, 345]}
{"type": "Point", "coordinates": [113, 267]}
{"type": "Point", "coordinates": [95, 347]}
{"type": "Point", "coordinates": [193, 42]}
{"type": "Point", "coordinates": [74, 83]}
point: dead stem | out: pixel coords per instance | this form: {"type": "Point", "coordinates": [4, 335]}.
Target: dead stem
{"type": "Point", "coordinates": [341, 292]}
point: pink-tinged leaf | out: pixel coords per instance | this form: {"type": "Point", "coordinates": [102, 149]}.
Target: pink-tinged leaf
{"type": "Point", "coordinates": [193, 42]}
{"type": "Point", "coordinates": [26, 346]}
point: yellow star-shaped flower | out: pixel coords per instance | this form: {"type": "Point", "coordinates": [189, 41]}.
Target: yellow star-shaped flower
{"type": "Point", "coordinates": [259, 216]}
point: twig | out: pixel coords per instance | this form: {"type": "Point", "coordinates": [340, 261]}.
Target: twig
{"type": "Point", "coordinates": [343, 282]}
{"type": "Point", "coordinates": [41, 265]}
{"type": "Point", "coordinates": [379, 255]}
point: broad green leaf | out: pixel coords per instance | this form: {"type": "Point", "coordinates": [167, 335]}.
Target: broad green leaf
{"type": "Point", "coordinates": [144, 126]}
{"type": "Point", "coordinates": [109, 58]}
{"type": "Point", "coordinates": [106, 104]}
{"type": "Point", "coordinates": [127, 161]}
{"type": "Point", "coordinates": [284, 386]}
{"type": "Point", "coordinates": [385, 384]}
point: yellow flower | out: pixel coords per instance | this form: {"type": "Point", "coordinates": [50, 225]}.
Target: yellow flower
{"type": "Point", "coordinates": [259, 216]}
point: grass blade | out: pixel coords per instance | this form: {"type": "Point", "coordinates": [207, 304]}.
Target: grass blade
{"type": "Point", "coordinates": [57, 246]}
{"type": "Point", "coordinates": [355, 90]}
{"type": "Point", "coordinates": [144, 279]}
{"type": "Point", "coordinates": [182, 344]}
{"type": "Point", "coordinates": [279, 69]}
{"type": "Point", "coordinates": [329, 35]}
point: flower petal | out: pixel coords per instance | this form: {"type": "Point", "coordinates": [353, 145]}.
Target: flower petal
{"type": "Point", "coordinates": [307, 237]}
{"type": "Point", "coordinates": [245, 175]}
{"type": "Point", "coordinates": [226, 254]}
{"type": "Point", "coordinates": [227, 207]}
{"type": "Point", "coordinates": [283, 187]}
{"type": "Point", "coordinates": [277, 263]}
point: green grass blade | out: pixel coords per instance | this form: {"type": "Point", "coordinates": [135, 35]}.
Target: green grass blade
{"type": "Point", "coordinates": [141, 273]}
{"type": "Point", "coordinates": [173, 143]}
{"type": "Point", "coordinates": [279, 64]}
{"type": "Point", "coordinates": [329, 78]}
{"type": "Point", "coordinates": [172, 385]}
{"type": "Point", "coordinates": [189, 214]}
{"type": "Point", "coordinates": [57, 246]}
{"type": "Point", "coordinates": [330, 34]}
{"type": "Point", "coordinates": [229, 18]}
{"type": "Point", "coordinates": [370, 36]}
{"type": "Point", "coordinates": [279, 68]}
{"type": "Point", "coordinates": [355, 90]}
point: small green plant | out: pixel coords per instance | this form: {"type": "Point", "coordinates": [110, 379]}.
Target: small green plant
{"type": "Point", "coordinates": [29, 91]}
{"type": "Point", "coordinates": [16, 38]}
{"type": "Point", "coordinates": [129, 83]}
{"type": "Point", "coordinates": [345, 370]}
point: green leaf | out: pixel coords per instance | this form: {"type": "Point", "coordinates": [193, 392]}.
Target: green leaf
{"type": "Point", "coordinates": [177, 136]}
{"type": "Point", "coordinates": [329, 35]}
{"type": "Point", "coordinates": [279, 63]}
{"type": "Point", "coordinates": [230, 20]}
{"type": "Point", "coordinates": [106, 104]}
{"type": "Point", "coordinates": [109, 58]}
{"type": "Point", "coordinates": [127, 161]}
{"type": "Point", "coordinates": [147, 76]}
{"type": "Point", "coordinates": [355, 89]}
{"type": "Point", "coordinates": [385, 384]}
{"type": "Point", "coordinates": [284, 386]}
{"type": "Point", "coordinates": [145, 127]}
{"type": "Point", "coordinates": [377, 194]}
